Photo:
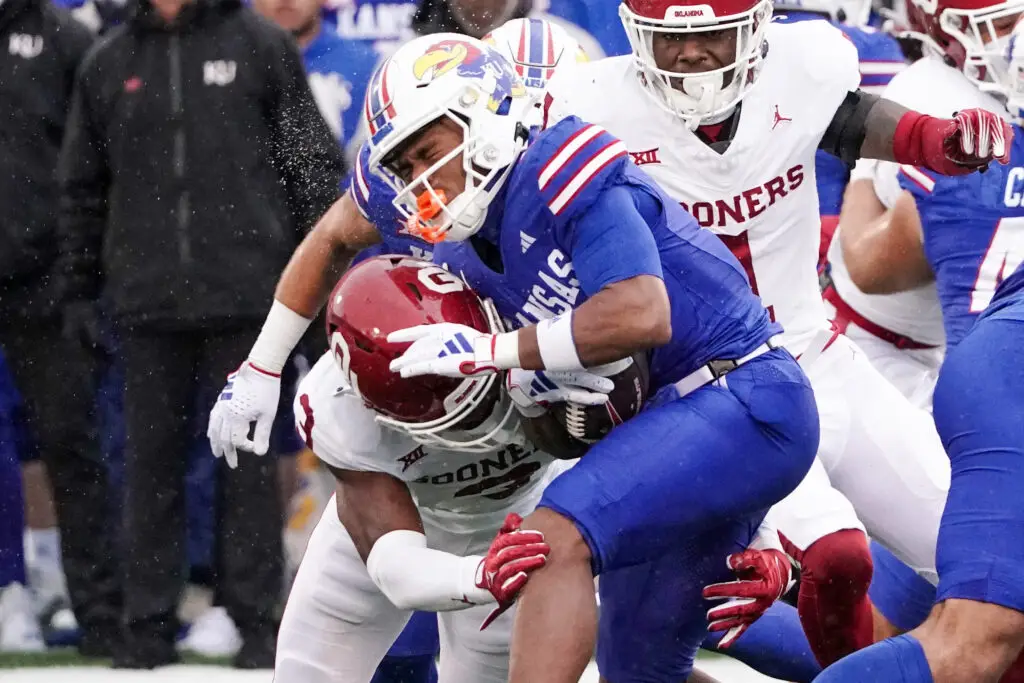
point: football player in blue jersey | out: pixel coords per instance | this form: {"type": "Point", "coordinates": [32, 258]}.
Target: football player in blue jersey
{"type": "Point", "coordinates": [348, 233]}
{"type": "Point", "coordinates": [967, 235]}
{"type": "Point", "coordinates": [592, 262]}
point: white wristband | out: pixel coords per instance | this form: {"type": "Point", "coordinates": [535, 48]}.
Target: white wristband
{"type": "Point", "coordinates": [506, 350]}
{"type": "Point", "coordinates": [281, 333]}
{"type": "Point", "coordinates": [556, 345]}
{"type": "Point", "coordinates": [415, 577]}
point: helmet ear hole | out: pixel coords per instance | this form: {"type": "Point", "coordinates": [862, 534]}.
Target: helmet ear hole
{"type": "Point", "coordinates": [363, 345]}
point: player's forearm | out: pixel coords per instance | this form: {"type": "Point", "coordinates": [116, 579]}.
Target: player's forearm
{"type": "Point", "coordinates": [628, 316]}
{"type": "Point", "coordinates": [296, 301]}
{"type": "Point", "coordinates": [883, 119]}
{"type": "Point", "coordinates": [321, 258]}
{"type": "Point", "coordinates": [415, 577]}
{"type": "Point", "coordinates": [871, 127]}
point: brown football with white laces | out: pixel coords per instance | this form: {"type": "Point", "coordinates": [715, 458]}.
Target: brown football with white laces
{"type": "Point", "coordinates": [589, 424]}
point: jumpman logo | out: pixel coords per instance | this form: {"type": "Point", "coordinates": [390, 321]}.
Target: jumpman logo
{"type": "Point", "coordinates": [779, 118]}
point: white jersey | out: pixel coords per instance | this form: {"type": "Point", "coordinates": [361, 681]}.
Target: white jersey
{"type": "Point", "coordinates": [931, 87]}
{"type": "Point", "coordinates": [760, 195]}
{"type": "Point", "coordinates": [467, 490]}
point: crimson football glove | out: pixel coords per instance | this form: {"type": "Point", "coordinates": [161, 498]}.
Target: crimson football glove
{"type": "Point", "coordinates": [763, 576]}
{"type": "Point", "coordinates": [958, 146]}
{"type": "Point", "coordinates": [513, 554]}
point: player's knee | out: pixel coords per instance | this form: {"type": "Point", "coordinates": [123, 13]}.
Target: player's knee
{"type": "Point", "coordinates": [841, 560]}
{"type": "Point", "coordinates": [567, 543]}
{"type": "Point", "coordinates": [971, 641]}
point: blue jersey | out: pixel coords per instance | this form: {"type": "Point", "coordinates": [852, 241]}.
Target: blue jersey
{"type": "Point", "coordinates": [973, 233]}
{"type": "Point", "coordinates": [1009, 293]}
{"type": "Point", "coordinates": [575, 216]}
{"type": "Point", "coordinates": [599, 18]}
{"type": "Point", "coordinates": [880, 59]}
{"type": "Point", "coordinates": [338, 72]}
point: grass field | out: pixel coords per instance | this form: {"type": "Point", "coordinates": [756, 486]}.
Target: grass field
{"type": "Point", "coordinates": [68, 667]}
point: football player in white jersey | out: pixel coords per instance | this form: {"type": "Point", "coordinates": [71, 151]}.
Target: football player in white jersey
{"type": "Point", "coordinates": [726, 110]}
{"type": "Point", "coordinates": [900, 329]}
{"type": "Point", "coordinates": [427, 470]}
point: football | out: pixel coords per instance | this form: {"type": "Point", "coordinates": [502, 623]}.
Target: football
{"type": "Point", "coordinates": [589, 424]}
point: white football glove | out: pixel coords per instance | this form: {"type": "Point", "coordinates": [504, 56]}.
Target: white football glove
{"type": "Point", "coordinates": [445, 349]}
{"type": "Point", "coordinates": [532, 391]}
{"type": "Point", "coordinates": [250, 395]}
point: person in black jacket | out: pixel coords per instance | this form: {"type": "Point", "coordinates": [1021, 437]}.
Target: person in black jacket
{"type": "Point", "coordinates": [194, 161]}
{"type": "Point", "coordinates": [56, 374]}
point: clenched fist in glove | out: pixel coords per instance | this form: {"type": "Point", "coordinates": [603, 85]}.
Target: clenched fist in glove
{"type": "Point", "coordinates": [513, 554]}
{"type": "Point", "coordinates": [250, 396]}
{"type": "Point", "coordinates": [965, 143]}
{"type": "Point", "coordinates": [762, 577]}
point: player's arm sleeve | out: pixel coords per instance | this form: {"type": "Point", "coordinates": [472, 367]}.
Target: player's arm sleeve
{"type": "Point", "coordinates": [612, 240]}
{"type": "Point", "coordinates": [415, 577]}
{"type": "Point", "coordinates": [845, 134]}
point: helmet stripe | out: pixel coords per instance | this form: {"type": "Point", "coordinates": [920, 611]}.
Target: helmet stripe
{"type": "Point", "coordinates": [550, 39]}
{"type": "Point", "coordinates": [379, 108]}
{"type": "Point", "coordinates": [536, 53]}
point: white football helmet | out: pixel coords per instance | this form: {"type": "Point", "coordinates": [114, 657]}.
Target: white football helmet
{"type": "Point", "coordinates": [469, 82]}
{"type": "Point", "coordinates": [967, 34]}
{"type": "Point", "coordinates": [710, 96]}
{"type": "Point", "coordinates": [537, 49]}
{"type": "Point", "coordinates": [852, 12]}
{"type": "Point", "coordinates": [1015, 73]}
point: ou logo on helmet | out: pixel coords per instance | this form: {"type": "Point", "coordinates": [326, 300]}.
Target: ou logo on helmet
{"type": "Point", "coordinates": [439, 280]}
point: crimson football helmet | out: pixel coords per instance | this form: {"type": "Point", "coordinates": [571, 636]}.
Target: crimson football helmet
{"type": "Point", "coordinates": [979, 37]}
{"type": "Point", "coordinates": [388, 293]}
{"type": "Point", "coordinates": [710, 96]}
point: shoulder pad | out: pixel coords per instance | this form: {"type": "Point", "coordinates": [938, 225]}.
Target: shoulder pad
{"type": "Point", "coordinates": [572, 161]}
{"type": "Point", "coordinates": [333, 421]}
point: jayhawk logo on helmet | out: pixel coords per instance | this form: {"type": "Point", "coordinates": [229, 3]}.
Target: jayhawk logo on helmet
{"type": "Point", "coordinates": [470, 61]}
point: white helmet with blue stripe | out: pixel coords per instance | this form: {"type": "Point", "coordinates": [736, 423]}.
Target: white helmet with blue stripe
{"type": "Point", "coordinates": [468, 83]}
{"type": "Point", "coordinates": [537, 48]}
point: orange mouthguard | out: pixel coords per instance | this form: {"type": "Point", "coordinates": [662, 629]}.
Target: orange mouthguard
{"type": "Point", "coordinates": [428, 206]}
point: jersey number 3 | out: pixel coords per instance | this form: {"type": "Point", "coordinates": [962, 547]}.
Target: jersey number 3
{"type": "Point", "coordinates": [1005, 253]}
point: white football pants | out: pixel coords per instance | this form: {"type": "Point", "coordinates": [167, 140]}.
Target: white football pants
{"type": "Point", "coordinates": [337, 625]}
{"type": "Point", "coordinates": [880, 462]}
